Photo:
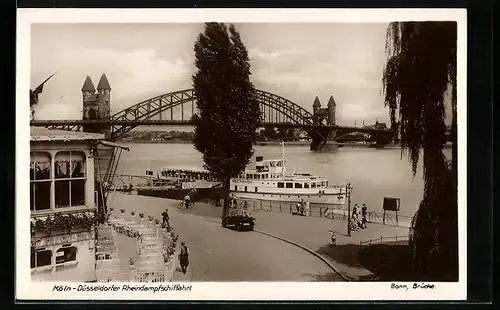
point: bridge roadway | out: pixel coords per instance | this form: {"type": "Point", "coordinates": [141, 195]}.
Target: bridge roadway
{"type": "Point", "coordinates": [220, 254]}
{"type": "Point", "coordinates": [111, 122]}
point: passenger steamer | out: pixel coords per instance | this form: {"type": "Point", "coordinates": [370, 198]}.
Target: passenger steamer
{"type": "Point", "coordinates": [269, 181]}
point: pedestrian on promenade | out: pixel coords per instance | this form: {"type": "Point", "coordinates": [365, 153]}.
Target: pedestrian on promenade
{"type": "Point", "coordinates": [355, 211]}
{"type": "Point", "coordinates": [184, 257]}
{"type": "Point", "coordinates": [363, 216]}
{"type": "Point", "coordinates": [308, 209]}
{"type": "Point", "coordinates": [333, 237]}
{"type": "Point", "coordinates": [297, 209]}
{"type": "Point", "coordinates": [166, 219]}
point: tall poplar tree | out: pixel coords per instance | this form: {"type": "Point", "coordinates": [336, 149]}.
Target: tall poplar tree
{"type": "Point", "coordinates": [228, 112]}
{"type": "Point", "coordinates": [420, 69]}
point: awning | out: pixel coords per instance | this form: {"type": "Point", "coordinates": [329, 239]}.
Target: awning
{"type": "Point", "coordinates": [111, 144]}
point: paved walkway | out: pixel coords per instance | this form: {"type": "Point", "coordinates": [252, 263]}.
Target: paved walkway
{"type": "Point", "coordinates": [219, 254]}
{"type": "Point", "coordinates": [313, 233]}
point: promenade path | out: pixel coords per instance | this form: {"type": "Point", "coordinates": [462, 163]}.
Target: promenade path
{"type": "Point", "coordinates": [313, 233]}
{"type": "Point", "coordinates": [219, 254]}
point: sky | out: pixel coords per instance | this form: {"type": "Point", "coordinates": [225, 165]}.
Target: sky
{"type": "Point", "coordinates": [295, 61]}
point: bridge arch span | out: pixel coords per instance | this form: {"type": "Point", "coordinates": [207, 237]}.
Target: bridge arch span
{"type": "Point", "coordinates": [275, 110]}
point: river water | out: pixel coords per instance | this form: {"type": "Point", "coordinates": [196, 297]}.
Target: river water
{"type": "Point", "coordinates": [373, 173]}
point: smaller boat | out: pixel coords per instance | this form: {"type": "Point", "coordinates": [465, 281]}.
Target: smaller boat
{"type": "Point", "coordinates": [185, 177]}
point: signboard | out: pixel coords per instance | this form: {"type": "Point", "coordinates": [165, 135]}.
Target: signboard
{"type": "Point", "coordinates": [391, 204]}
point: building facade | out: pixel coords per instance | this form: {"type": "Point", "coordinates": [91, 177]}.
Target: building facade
{"type": "Point", "coordinates": [63, 205]}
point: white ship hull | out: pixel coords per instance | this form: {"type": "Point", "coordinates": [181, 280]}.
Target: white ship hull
{"type": "Point", "coordinates": [292, 197]}
{"type": "Point", "coordinates": [264, 190]}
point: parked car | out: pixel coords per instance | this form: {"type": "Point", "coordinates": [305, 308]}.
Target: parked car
{"type": "Point", "coordinates": [239, 220]}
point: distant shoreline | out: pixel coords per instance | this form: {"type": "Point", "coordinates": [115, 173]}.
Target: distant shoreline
{"type": "Point", "coordinates": [275, 143]}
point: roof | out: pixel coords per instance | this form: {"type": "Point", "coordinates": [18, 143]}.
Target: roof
{"type": "Point", "coordinates": [103, 82]}
{"type": "Point", "coordinates": [316, 102]}
{"type": "Point", "coordinates": [44, 134]}
{"type": "Point", "coordinates": [331, 101]}
{"type": "Point", "coordinates": [88, 86]}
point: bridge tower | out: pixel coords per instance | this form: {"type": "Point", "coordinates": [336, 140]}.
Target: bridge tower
{"type": "Point", "coordinates": [332, 106]}
{"type": "Point", "coordinates": [316, 110]}
{"type": "Point", "coordinates": [96, 106]}
{"type": "Point", "coordinates": [90, 108]}
{"type": "Point", "coordinates": [104, 90]}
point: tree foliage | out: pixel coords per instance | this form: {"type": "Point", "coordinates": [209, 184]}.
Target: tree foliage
{"type": "Point", "coordinates": [420, 69]}
{"type": "Point", "coordinates": [228, 112]}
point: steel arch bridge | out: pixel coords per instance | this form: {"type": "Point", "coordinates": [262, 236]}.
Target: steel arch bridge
{"type": "Point", "coordinates": [275, 110]}
{"type": "Point", "coordinates": [177, 108]}
{"type": "Point", "coordinates": [161, 110]}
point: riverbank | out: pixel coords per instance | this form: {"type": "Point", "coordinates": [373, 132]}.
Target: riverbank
{"type": "Point", "coordinates": [276, 143]}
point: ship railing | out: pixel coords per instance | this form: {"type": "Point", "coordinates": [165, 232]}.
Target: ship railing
{"type": "Point", "coordinates": [332, 212]}
{"type": "Point", "coordinates": [127, 182]}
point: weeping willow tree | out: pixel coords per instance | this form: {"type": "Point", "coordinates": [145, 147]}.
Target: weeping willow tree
{"type": "Point", "coordinates": [419, 80]}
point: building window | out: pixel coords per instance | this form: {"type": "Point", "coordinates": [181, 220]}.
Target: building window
{"type": "Point", "coordinates": [70, 179]}
{"type": "Point", "coordinates": [40, 181]}
{"type": "Point", "coordinates": [255, 189]}
{"type": "Point", "coordinates": [40, 258]}
{"type": "Point", "coordinates": [289, 185]}
{"type": "Point", "coordinates": [306, 185]}
{"type": "Point", "coordinates": [298, 185]}
{"type": "Point", "coordinates": [281, 185]}
{"type": "Point", "coordinates": [66, 254]}
{"type": "Point", "coordinates": [236, 188]}
{"type": "Point", "coordinates": [313, 184]}
{"type": "Point", "coordinates": [322, 183]}
{"type": "Point", "coordinates": [245, 188]}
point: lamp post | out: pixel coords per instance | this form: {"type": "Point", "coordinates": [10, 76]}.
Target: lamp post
{"type": "Point", "coordinates": [348, 197]}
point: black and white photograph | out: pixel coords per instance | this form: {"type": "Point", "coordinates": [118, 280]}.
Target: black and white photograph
{"type": "Point", "coordinates": [242, 151]}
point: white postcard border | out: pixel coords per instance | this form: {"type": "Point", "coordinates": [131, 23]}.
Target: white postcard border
{"type": "Point", "coordinates": [26, 289]}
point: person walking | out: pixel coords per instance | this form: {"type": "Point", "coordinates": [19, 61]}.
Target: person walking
{"type": "Point", "coordinates": [302, 207]}
{"type": "Point", "coordinates": [166, 219]}
{"type": "Point", "coordinates": [184, 257]}
{"type": "Point", "coordinates": [333, 237]}
{"type": "Point", "coordinates": [308, 209]}
{"type": "Point", "coordinates": [364, 213]}
{"type": "Point", "coordinates": [233, 202]}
